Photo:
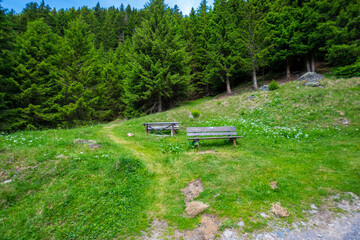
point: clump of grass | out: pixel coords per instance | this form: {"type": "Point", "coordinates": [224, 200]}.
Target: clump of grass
{"type": "Point", "coordinates": [273, 85]}
{"type": "Point", "coordinates": [195, 113]}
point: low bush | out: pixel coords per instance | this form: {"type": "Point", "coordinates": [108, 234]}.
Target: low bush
{"type": "Point", "coordinates": [273, 85]}
{"type": "Point", "coordinates": [195, 113]}
{"type": "Point", "coordinates": [348, 71]}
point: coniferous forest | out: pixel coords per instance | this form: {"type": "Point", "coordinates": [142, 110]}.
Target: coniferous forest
{"type": "Point", "coordinates": [67, 67]}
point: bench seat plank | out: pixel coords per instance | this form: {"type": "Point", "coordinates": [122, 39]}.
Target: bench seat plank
{"type": "Point", "coordinates": [199, 138]}
{"type": "Point", "coordinates": [212, 134]}
{"type": "Point", "coordinates": [211, 129]}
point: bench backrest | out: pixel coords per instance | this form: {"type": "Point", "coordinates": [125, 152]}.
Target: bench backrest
{"type": "Point", "coordinates": [160, 125]}
{"type": "Point", "coordinates": [210, 131]}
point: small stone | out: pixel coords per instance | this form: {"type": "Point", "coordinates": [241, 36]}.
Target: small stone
{"type": "Point", "coordinates": [259, 236]}
{"type": "Point", "coordinates": [274, 185]}
{"type": "Point", "coordinates": [345, 121]}
{"type": "Point", "coordinates": [129, 134]}
{"type": "Point", "coordinates": [313, 206]}
{"type": "Point", "coordinates": [280, 234]}
{"type": "Point", "coordinates": [194, 208]}
{"type": "Point", "coordinates": [331, 225]}
{"type": "Point", "coordinates": [278, 210]}
{"type": "Point", "coordinates": [251, 97]}
{"type": "Point", "coordinates": [7, 181]}
{"type": "Point", "coordinates": [264, 215]}
{"type": "Point", "coordinates": [241, 224]}
{"type": "Point", "coordinates": [319, 235]}
{"type": "Point", "coordinates": [313, 212]}
{"type": "Point", "coordinates": [94, 146]}
{"type": "Point", "coordinates": [62, 156]}
{"type": "Point", "coordinates": [287, 230]}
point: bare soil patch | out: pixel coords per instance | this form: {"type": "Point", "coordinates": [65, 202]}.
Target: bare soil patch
{"type": "Point", "coordinates": [192, 190]}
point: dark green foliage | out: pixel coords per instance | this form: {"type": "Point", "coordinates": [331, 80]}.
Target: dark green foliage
{"type": "Point", "coordinates": [76, 66]}
{"type": "Point", "coordinates": [224, 46]}
{"type": "Point", "coordinates": [273, 85]}
{"type": "Point", "coordinates": [158, 75]}
{"type": "Point", "coordinates": [348, 71]}
{"type": "Point", "coordinates": [9, 87]}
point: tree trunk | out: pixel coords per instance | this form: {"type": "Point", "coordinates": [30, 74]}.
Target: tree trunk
{"type": "Point", "coordinates": [228, 89]}
{"type": "Point", "coordinates": [308, 69]}
{"type": "Point", "coordinates": [313, 64]}
{"type": "Point", "coordinates": [159, 104]}
{"type": "Point", "coordinates": [288, 73]}
{"type": "Point", "coordinates": [254, 77]}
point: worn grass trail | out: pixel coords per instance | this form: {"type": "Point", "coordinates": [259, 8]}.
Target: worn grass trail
{"type": "Point", "coordinates": [152, 162]}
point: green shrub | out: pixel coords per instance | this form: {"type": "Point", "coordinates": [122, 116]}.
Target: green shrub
{"type": "Point", "coordinates": [348, 71]}
{"type": "Point", "coordinates": [195, 113]}
{"type": "Point", "coordinates": [273, 85]}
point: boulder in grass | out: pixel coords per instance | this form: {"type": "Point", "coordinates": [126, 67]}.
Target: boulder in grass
{"type": "Point", "coordinates": [278, 210]}
{"type": "Point", "coordinates": [265, 88]}
{"type": "Point", "coordinates": [311, 77]}
{"type": "Point", "coordinates": [195, 207]}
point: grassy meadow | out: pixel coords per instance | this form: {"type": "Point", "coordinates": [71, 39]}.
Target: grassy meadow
{"type": "Point", "coordinates": [307, 139]}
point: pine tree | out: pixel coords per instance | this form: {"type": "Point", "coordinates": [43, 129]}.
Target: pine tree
{"type": "Point", "coordinates": [197, 34]}
{"type": "Point", "coordinates": [9, 87]}
{"type": "Point", "coordinates": [224, 48]}
{"type": "Point", "coordinates": [287, 37]}
{"type": "Point", "coordinates": [158, 75]}
{"type": "Point", "coordinates": [82, 94]}
{"type": "Point", "coordinates": [37, 74]}
{"type": "Point", "coordinates": [254, 35]}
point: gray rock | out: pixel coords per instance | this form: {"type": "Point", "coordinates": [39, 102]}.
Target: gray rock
{"type": "Point", "coordinates": [264, 88]}
{"type": "Point", "coordinates": [313, 206]}
{"type": "Point", "coordinates": [311, 77]}
{"type": "Point", "coordinates": [241, 224]}
{"type": "Point", "coordinates": [264, 215]}
{"type": "Point", "coordinates": [229, 234]}
{"type": "Point", "coordinates": [280, 234]}
{"type": "Point", "coordinates": [94, 146]}
{"type": "Point", "coordinates": [251, 97]}
{"type": "Point", "coordinates": [312, 84]}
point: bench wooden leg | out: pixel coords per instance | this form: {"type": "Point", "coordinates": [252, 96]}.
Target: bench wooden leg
{"type": "Point", "coordinates": [234, 141]}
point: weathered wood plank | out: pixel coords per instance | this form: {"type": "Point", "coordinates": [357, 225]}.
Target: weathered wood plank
{"type": "Point", "coordinates": [211, 133]}
{"type": "Point", "coordinates": [210, 129]}
{"type": "Point", "coordinates": [160, 123]}
{"type": "Point", "coordinates": [200, 138]}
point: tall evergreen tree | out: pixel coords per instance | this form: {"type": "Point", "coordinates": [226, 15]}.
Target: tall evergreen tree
{"type": "Point", "coordinates": [158, 74]}
{"type": "Point", "coordinates": [198, 34]}
{"type": "Point", "coordinates": [254, 35]}
{"type": "Point", "coordinates": [224, 48]}
{"type": "Point", "coordinates": [82, 96]}
{"type": "Point", "coordinates": [9, 87]}
{"type": "Point", "coordinates": [37, 74]}
{"type": "Point", "coordinates": [287, 37]}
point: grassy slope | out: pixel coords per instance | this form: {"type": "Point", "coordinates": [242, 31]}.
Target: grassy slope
{"type": "Point", "coordinates": [293, 136]}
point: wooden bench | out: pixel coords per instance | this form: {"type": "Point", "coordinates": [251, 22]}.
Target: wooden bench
{"type": "Point", "coordinates": [203, 133]}
{"type": "Point", "coordinates": [161, 126]}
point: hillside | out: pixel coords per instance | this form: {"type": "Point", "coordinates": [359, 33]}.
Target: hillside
{"type": "Point", "coordinates": [306, 139]}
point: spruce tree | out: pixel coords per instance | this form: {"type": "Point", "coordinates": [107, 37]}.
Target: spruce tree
{"type": "Point", "coordinates": [158, 75]}
{"type": "Point", "coordinates": [225, 50]}
{"type": "Point", "coordinates": [9, 87]}
{"type": "Point", "coordinates": [37, 75]}
{"type": "Point", "coordinates": [254, 35]}
{"type": "Point", "coordinates": [82, 96]}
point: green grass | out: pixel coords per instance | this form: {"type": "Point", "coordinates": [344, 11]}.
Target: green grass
{"type": "Point", "coordinates": [293, 135]}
